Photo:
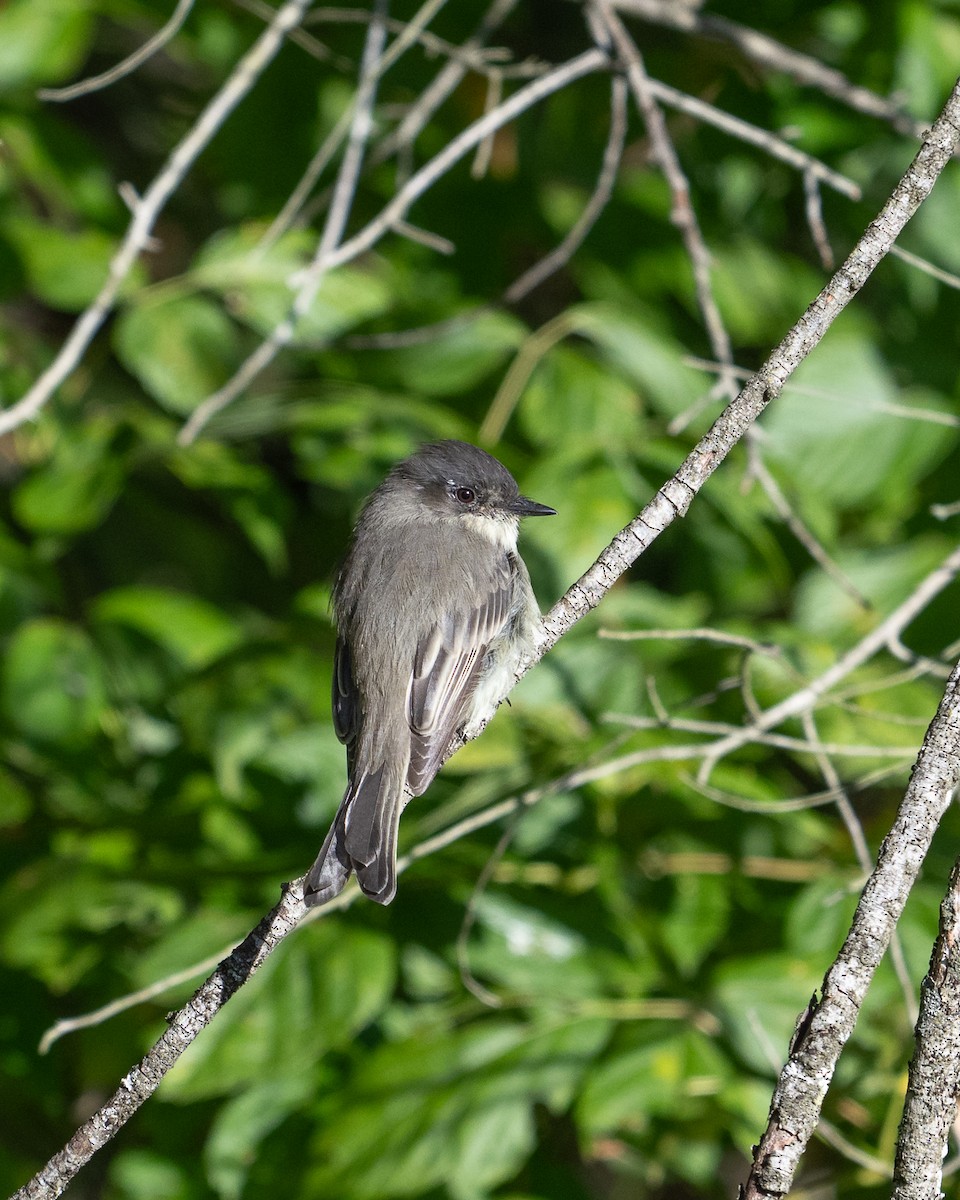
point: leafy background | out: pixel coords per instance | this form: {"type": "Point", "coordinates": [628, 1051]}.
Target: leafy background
{"type": "Point", "coordinates": [167, 753]}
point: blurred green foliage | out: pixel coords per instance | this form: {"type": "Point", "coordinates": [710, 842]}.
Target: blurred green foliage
{"type": "Point", "coordinates": [167, 753]}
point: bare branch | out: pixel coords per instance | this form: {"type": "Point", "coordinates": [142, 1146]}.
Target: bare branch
{"type": "Point", "coordinates": [812, 169]}
{"type": "Point", "coordinates": [471, 55]}
{"type": "Point", "coordinates": [557, 258]}
{"type": "Point", "coordinates": [849, 817]}
{"type": "Point", "coordinates": [142, 1081]}
{"type": "Point", "coordinates": [804, 1080]}
{"type": "Point", "coordinates": [443, 85]}
{"type": "Point", "coordinates": [299, 37]}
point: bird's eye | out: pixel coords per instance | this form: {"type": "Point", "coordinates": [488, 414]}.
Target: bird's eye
{"type": "Point", "coordinates": [465, 495]}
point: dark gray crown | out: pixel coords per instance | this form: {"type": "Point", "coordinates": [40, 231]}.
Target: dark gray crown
{"type": "Point", "coordinates": [452, 462]}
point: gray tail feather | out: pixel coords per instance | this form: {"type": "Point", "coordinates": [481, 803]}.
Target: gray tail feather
{"type": "Point", "coordinates": [362, 838]}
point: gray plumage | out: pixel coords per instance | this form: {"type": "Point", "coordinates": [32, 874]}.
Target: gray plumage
{"type": "Point", "coordinates": [434, 611]}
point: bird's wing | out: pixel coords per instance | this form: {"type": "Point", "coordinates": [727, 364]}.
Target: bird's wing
{"type": "Point", "coordinates": [346, 712]}
{"type": "Point", "coordinates": [446, 668]}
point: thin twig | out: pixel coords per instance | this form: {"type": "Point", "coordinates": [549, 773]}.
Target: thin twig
{"type": "Point", "coordinates": [928, 268]}
{"type": "Point", "coordinates": [299, 37]}
{"type": "Point", "coordinates": [809, 167]}
{"type": "Point", "coordinates": [446, 81]}
{"type": "Point", "coordinates": [768, 52]}
{"type": "Point", "coordinates": [814, 210]}
{"type": "Point", "coordinates": [361, 124]}
{"type": "Point", "coordinates": [718, 636]}
{"type": "Point", "coordinates": [780, 741]}
{"type": "Point", "coordinates": [675, 497]}
{"type": "Point", "coordinates": [470, 55]}
{"type": "Point", "coordinates": [604, 21]}
{"type": "Point", "coordinates": [534, 276]}
{"type": "Point", "coordinates": [128, 65]}
{"type": "Point", "coordinates": [597, 202]}
{"type": "Point", "coordinates": [908, 411]}
{"type": "Point", "coordinates": [817, 551]}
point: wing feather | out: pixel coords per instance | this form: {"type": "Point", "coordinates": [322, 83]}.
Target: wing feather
{"type": "Point", "coordinates": [346, 705]}
{"type": "Point", "coordinates": [447, 666]}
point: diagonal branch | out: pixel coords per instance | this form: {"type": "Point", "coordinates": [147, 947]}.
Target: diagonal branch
{"type": "Point", "coordinates": [142, 1081]}
{"type": "Point", "coordinates": [675, 497]}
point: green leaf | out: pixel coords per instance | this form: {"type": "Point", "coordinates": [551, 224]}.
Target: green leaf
{"type": "Point", "coordinates": [759, 1000]}
{"type": "Point", "coordinates": [64, 269]}
{"type": "Point", "coordinates": [451, 1109]}
{"type": "Point", "coordinates": [57, 925]}
{"type": "Point", "coordinates": [53, 685]}
{"type": "Point", "coordinates": [194, 632]}
{"type": "Point", "coordinates": [180, 348]}
{"type": "Point", "coordinates": [241, 1125]}
{"type": "Point", "coordinates": [15, 802]}
{"type": "Point", "coordinates": [885, 576]}
{"type": "Point", "coordinates": [259, 284]}
{"type": "Point", "coordinates": [578, 404]}
{"type": "Point", "coordinates": [41, 41]}
{"type": "Point", "coordinates": [644, 354]}
{"type": "Point", "coordinates": [662, 1077]}
{"type": "Point", "coordinates": [77, 486]}
{"type": "Point", "coordinates": [456, 360]}
{"type": "Point", "coordinates": [148, 1175]}
{"type": "Point", "coordinates": [831, 437]}
{"type": "Point", "coordinates": [326, 985]}
{"type": "Point", "coordinates": [697, 919]}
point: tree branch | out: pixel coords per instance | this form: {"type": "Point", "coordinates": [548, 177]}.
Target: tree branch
{"type": "Point", "coordinates": [803, 1083]}
{"type": "Point", "coordinates": [931, 1102]}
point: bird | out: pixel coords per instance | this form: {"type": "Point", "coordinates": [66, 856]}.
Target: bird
{"type": "Point", "coordinates": [434, 612]}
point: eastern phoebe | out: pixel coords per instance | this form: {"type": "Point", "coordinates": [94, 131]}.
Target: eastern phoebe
{"type": "Point", "coordinates": [434, 612]}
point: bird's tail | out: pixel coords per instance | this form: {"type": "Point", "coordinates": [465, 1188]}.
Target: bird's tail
{"type": "Point", "coordinates": [362, 838]}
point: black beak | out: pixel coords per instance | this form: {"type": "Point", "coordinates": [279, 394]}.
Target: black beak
{"type": "Point", "coordinates": [530, 508]}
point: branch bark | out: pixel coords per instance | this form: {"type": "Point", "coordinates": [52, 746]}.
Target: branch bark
{"type": "Point", "coordinates": [934, 1081]}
